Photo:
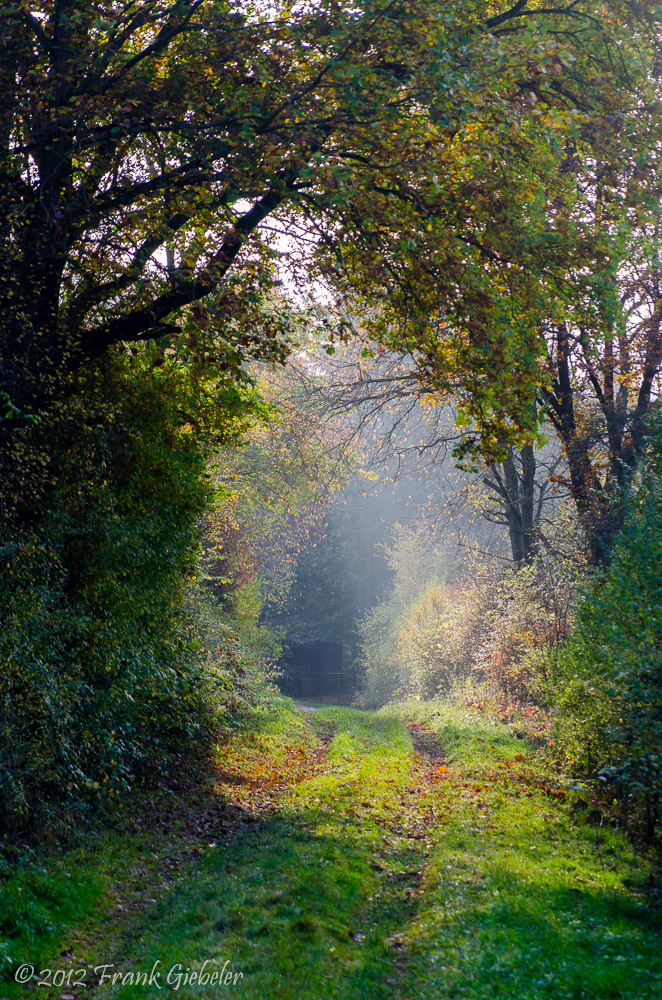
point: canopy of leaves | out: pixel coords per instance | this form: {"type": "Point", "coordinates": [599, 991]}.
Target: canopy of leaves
{"type": "Point", "coordinates": [142, 146]}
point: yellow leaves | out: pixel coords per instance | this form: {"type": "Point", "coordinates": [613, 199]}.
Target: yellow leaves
{"type": "Point", "coordinates": [432, 400]}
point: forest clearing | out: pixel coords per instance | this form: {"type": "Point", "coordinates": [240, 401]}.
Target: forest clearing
{"type": "Point", "coordinates": [417, 852]}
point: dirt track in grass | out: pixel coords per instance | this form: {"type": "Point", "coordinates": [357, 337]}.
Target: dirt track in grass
{"type": "Point", "coordinates": [419, 852]}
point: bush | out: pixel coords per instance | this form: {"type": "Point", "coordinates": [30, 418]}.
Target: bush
{"type": "Point", "coordinates": [385, 671]}
{"type": "Point", "coordinates": [103, 674]}
{"type": "Point", "coordinates": [439, 639]}
{"type": "Point", "coordinates": [527, 613]}
{"type": "Point", "coordinates": [608, 678]}
{"type": "Point", "coordinates": [492, 628]}
{"type": "Point", "coordinates": [382, 678]}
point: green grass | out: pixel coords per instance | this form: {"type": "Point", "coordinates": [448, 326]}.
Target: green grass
{"type": "Point", "coordinates": [302, 909]}
{"type": "Point", "coordinates": [519, 901]}
{"type": "Point", "coordinates": [36, 904]}
{"type": "Point", "coordinates": [354, 868]}
{"type": "Point", "coordinates": [50, 903]}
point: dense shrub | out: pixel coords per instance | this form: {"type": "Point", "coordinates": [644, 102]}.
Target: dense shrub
{"type": "Point", "coordinates": [240, 656]}
{"type": "Point", "coordinates": [608, 678]}
{"type": "Point", "coordinates": [382, 676]}
{"type": "Point", "coordinates": [103, 675]}
{"type": "Point", "coordinates": [385, 674]}
{"type": "Point", "coordinates": [491, 628]}
{"type": "Point", "coordinates": [527, 613]}
{"type": "Point", "coordinates": [440, 637]}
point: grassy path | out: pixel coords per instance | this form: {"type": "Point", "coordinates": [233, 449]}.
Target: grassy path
{"type": "Point", "coordinates": [412, 853]}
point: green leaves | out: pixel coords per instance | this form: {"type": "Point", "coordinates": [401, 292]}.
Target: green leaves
{"type": "Point", "coordinates": [616, 659]}
{"type": "Point", "coordinates": [102, 672]}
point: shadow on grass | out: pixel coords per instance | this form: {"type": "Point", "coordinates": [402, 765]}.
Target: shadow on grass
{"type": "Point", "coordinates": [300, 913]}
{"type": "Point", "coordinates": [503, 936]}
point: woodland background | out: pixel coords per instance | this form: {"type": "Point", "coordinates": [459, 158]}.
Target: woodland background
{"type": "Point", "coordinates": [335, 326]}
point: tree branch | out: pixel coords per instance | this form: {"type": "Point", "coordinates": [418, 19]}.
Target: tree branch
{"type": "Point", "coordinates": [95, 292]}
{"type": "Point", "coordinates": [508, 15]}
{"type": "Point", "coordinates": [139, 324]}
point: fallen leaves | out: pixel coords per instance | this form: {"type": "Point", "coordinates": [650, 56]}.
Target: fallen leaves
{"type": "Point", "coordinates": [256, 774]}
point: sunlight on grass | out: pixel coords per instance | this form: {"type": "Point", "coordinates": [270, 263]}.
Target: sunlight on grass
{"type": "Point", "coordinates": [355, 866]}
{"type": "Point", "coordinates": [296, 901]}
{"type": "Point", "coordinates": [519, 901]}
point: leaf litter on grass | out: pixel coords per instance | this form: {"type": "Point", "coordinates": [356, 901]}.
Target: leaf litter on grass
{"type": "Point", "coordinates": [358, 864]}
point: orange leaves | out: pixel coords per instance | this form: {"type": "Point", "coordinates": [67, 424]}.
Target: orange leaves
{"type": "Point", "coordinates": [256, 774]}
{"type": "Point", "coordinates": [554, 793]}
{"type": "Point", "coordinates": [438, 773]}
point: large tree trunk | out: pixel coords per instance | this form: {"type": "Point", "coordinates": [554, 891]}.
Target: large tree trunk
{"type": "Point", "coordinates": [594, 508]}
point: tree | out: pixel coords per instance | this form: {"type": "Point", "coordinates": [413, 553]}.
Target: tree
{"type": "Point", "coordinates": [602, 337]}
{"type": "Point", "coordinates": [603, 378]}
{"type": "Point", "coordinates": [468, 260]}
{"type": "Point", "coordinates": [607, 680]}
{"type": "Point", "coordinates": [143, 144]}
{"type": "Point", "coordinates": [271, 491]}
{"type": "Point", "coordinates": [404, 427]}
{"type": "Point", "coordinates": [542, 302]}
{"type": "Point", "coordinates": [519, 496]}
